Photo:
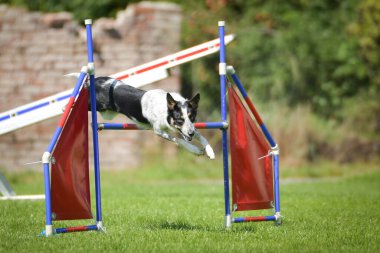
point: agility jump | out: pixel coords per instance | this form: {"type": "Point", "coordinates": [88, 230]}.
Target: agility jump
{"type": "Point", "coordinates": [254, 154]}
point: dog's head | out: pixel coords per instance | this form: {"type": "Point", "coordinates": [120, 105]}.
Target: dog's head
{"type": "Point", "coordinates": [181, 115]}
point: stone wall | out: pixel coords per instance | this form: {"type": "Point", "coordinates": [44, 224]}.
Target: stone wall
{"type": "Point", "coordinates": [37, 49]}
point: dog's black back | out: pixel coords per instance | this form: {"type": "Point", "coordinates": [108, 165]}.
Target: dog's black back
{"type": "Point", "coordinates": [128, 102]}
{"type": "Point", "coordinates": [124, 98]}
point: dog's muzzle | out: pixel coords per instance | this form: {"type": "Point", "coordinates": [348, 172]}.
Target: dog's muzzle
{"type": "Point", "coordinates": [185, 136]}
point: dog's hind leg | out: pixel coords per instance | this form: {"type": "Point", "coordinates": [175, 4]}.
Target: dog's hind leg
{"type": "Point", "coordinates": [209, 151]}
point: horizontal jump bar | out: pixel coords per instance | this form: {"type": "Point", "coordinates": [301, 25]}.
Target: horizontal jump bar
{"type": "Point", "coordinates": [254, 219]}
{"type": "Point", "coordinates": [128, 126]}
{"type": "Point", "coordinates": [73, 229]}
{"type": "Point", "coordinates": [76, 229]}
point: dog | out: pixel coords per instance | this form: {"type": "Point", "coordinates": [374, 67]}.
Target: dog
{"type": "Point", "coordinates": [157, 109]}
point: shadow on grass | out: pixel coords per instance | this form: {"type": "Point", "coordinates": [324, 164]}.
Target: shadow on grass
{"type": "Point", "coordinates": [185, 226]}
{"type": "Point", "coordinates": [240, 228]}
{"type": "Point", "coordinates": [176, 225]}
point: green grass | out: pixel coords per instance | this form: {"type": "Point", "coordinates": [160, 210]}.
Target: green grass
{"type": "Point", "coordinates": [147, 213]}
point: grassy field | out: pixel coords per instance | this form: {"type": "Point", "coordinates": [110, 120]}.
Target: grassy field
{"type": "Point", "coordinates": [145, 212]}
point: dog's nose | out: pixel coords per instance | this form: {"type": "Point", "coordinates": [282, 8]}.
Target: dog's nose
{"type": "Point", "coordinates": [191, 134]}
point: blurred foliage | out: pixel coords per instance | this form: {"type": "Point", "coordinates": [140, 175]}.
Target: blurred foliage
{"type": "Point", "coordinates": [309, 52]}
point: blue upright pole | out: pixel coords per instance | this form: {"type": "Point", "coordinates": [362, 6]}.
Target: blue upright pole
{"type": "Point", "coordinates": [276, 161]}
{"type": "Point", "coordinates": [48, 217]}
{"type": "Point", "coordinates": [222, 74]}
{"type": "Point", "coordinates": [94, 118]}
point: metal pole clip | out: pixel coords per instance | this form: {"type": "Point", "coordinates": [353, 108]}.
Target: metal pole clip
{"type": "Point", "coordinates": [274, 151]}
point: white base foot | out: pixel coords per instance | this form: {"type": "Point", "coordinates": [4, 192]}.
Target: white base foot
{"type": "Point", "coordinates": [228, 221]}
{"type": "Point", "coordinates": [49, 230]}
{"type": "Point", "coordinates": [278, 218]}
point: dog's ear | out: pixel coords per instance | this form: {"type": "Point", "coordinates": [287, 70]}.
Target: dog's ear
{"type": "Point", "coordinates": [171, 101]}
{"type": "Point", "coordinates": [195, 101]}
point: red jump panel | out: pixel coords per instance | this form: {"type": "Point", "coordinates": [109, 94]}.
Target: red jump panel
{"type": "Point", "coordinates": [70, 189]}
{"type": "Point", "coordinates": [252, 179]}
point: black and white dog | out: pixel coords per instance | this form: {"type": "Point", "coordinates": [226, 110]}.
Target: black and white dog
{"type": "Point", "coordinates": [157, 109]}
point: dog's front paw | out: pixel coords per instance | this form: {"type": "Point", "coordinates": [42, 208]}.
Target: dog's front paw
{"type": "Point", "coordinates": [210, 152]}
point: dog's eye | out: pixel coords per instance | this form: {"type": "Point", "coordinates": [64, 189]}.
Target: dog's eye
{"type": "Point", "coordinates": [191, 117]}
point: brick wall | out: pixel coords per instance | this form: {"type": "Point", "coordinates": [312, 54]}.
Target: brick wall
{"type": "Point", "coordinates": [37, 49]}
